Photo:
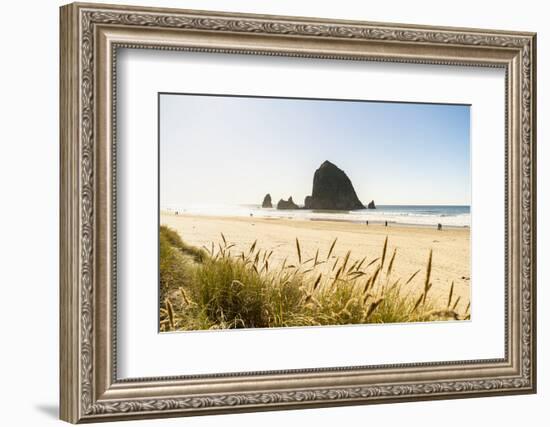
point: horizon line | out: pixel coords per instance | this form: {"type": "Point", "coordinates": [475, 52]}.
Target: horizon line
{"type": "Point", "coordinates": [377, 204]}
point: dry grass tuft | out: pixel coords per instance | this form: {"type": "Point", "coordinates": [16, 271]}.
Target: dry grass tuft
{"type": "Point", "coordinates": [215, 289]}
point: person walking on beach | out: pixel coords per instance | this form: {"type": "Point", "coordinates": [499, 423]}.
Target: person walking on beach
{"type": "Point", "coordinates": [439, 227]}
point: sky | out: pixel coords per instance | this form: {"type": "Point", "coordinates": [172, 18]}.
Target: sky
{"type": "Point", "coordinates": [233, 150]}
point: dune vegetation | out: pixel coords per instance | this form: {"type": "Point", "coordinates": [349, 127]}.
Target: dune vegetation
{"type": "Point", "coordinates": [219, 288]}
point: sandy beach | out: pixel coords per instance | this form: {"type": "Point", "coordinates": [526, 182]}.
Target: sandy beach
{"type": "Point", "coordinates": [451, 246]}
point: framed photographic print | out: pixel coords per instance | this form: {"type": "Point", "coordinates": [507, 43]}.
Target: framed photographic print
{"type": "Point", "coordinates": [265, 212]}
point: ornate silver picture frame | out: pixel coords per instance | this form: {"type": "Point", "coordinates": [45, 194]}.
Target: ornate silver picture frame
{"type": "Point", "coordinates": [91, 35]}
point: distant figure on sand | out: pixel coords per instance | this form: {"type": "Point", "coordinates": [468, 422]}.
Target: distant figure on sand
{"type": "Point", "coordinates": [176, 212]}
{"type": "Point", "coordinates": [367, 223]}
{"type": "Point", "coordinates": [439, 227]}
{"type": "Point", "coordinates": [385, 223]}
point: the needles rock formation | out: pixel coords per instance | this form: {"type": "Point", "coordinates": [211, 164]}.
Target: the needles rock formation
{"type": "Point", "coordinates": [267, 201]}
{"type": "Point", "coordinates": [287, 204]}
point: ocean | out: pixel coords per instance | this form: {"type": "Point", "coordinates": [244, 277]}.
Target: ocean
{"type": "Point", "coordinates": [424, 215]}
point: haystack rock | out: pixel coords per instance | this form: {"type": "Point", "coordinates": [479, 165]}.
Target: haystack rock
{"type": "Point", "coordinates": [267, 201]}
{"type": "Point", "coordinates": [287, 204]}
{"type": "Point", "coordinates": [332, 189]}
{"type": "Point", "coordinates": [371, 205]}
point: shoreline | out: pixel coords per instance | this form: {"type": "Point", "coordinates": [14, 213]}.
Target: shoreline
{"type": "Point", "coordinates": [391, 223]}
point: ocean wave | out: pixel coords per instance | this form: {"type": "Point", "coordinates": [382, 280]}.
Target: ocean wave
{"type": "Point", "coordinates": [456, 216]}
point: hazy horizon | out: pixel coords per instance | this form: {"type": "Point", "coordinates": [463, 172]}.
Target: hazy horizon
{"type": "Point", "coordinates": [235, 150]}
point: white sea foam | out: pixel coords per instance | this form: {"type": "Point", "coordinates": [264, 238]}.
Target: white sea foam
{"type": "Point", "coordinates": [456, 216]}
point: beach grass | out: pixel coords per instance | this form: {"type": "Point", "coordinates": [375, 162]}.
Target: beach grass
{"type": "Point", "coordinates": [217, 287]}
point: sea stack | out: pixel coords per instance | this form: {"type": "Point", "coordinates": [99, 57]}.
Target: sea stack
{"type": "Point", "coordinates": [287, 204]}
{"type": "Point", "coordinates": [332, 189]}
{"type": "Point", "coordinates": [267, 201]}
{"type": "Point", "coordinates": [371, 205]}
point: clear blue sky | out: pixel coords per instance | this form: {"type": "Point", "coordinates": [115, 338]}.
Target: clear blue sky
{"type": "Point", "coordinates": [218, 150]}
